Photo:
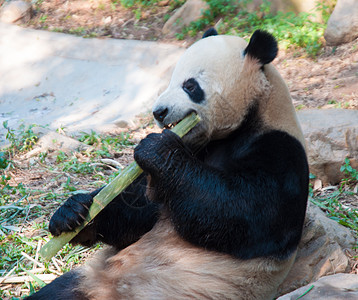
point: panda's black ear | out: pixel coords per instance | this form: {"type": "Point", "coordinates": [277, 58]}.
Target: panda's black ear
{"type": "Point", "coordinates": [210, 32]}
{"type": "Point", "coordinates": [262, 46]}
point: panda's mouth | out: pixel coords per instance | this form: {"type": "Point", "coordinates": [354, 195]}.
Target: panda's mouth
{"type": "Point", "coordinates": [173, 124]}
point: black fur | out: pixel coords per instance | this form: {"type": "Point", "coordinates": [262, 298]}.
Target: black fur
{"type": "Point", "coordinates": [262, 46]}
{"type": "Point", "coordinates": [194, 90]}
{"type": "Point", "coordinates": [244, 195]}
{"type": "Point", "coordinates": [210, 32]}
{"type": "Point", "coordinates": [62, 288]}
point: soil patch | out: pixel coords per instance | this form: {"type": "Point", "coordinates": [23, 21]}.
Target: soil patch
{"type": "Point", "coordinates": [329, 80]}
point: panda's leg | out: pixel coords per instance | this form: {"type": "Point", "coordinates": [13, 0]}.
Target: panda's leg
{"type": "Point", "coordinates": [63, 287]}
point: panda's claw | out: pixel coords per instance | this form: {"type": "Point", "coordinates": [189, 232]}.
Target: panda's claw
{"type": "Point", "coordinates": [71, 214]}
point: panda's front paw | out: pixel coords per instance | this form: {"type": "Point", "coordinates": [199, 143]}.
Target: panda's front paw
{"type": "Point", "coordinates": [71, 214]}
{"type": "Point", "coordinates": [158, 152]}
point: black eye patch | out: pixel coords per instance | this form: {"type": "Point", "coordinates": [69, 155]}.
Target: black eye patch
{"type": "Point", "coordinates": [193, 89]}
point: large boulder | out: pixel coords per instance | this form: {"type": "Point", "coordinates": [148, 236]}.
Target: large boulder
{"type": "Point", "coordinates": [321, 250]}
{"type": "Point", "coordinates": [334, 287]}
{"type": "Point", "coordinates": [331, 135]}
{"type": "Point", "coordinates": [15, 11]}
{"type": "Point", "coordinates": [342, 26]}
{"type": "Point", "coordinates": [191, 11]}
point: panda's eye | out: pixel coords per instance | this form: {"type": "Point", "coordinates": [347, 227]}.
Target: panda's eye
{"type": "Point", "coordinates": [193, 89]}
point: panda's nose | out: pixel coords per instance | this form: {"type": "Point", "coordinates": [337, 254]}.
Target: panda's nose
{"type": "Point", "coordinates": [160, 114]}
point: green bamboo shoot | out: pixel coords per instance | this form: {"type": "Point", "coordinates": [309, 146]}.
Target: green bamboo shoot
{"type": "Point", "coordinates": [109, 192]}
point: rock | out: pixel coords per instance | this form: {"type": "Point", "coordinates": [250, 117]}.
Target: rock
{"type": "Point", "coordinates": [189, 12]}
{"type": "Point", "coordinates": [331, 135]}
{"type": "Point", "coordinates": [321, 250]}
{"type": "Point", "coordinates": [334, 287]}
{"type": "Point", "coordinates": [342, 26]}
{"type": "Point", "coordinates": [53, 141]}
{"type": "Point", "coordinates": [14, 11]}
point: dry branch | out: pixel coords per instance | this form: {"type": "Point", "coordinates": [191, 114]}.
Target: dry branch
{"type": "Point", "coordinates": [20, 279]}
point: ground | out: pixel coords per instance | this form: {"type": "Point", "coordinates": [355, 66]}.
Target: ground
{"type": "Point", "coordinates": [329, 80]}
{"type": "Point", "coordinates": [33, 186]}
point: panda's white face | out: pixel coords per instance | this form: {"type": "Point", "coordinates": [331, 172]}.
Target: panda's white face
{"type": "Point", "coordinates": [217, 81]}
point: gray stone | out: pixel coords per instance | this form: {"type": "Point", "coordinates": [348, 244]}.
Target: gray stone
{"type": "Point", "coordinates": [52, 141]}
{"type": "Point", "coordinates": [334, 287]}
{"type": "Point", "coordinates": [331, 135]}
{"type": "Point", "coordinates": [321, 250]}
{"type": "Point", "coordinates": [14, 11]}
{"type": "Point", "coordinates": [342, 26]}
{"type": "Point", "coordinates": [189, 12]}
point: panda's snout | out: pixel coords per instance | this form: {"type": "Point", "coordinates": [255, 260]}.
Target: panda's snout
{"type": "Point", "coordinates": [160, 114]}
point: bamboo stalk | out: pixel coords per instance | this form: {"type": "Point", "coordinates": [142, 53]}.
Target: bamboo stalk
{"type": "Point", "coordinates": [109, 192]}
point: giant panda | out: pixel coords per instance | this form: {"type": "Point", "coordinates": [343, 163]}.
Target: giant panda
{"type": "Point", "coordinates": [217, 214]}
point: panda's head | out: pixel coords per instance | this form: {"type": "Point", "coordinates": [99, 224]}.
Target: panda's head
{"type": "Point", "coordinates": [220, 78]}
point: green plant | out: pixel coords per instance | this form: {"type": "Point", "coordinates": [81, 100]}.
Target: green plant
{"type": "Point", "coordinates": [42, 157]}
{"type": "Point", "coordinates": [89, 138]}
{"type": "Point", "coordinates": [10, 134]}
{"type": "Point", "coordinates": [326, 8]}
{"type": "Point", "coordinates": [350, 172]}
{"type": "Point", "coordinates": [61, 156]}
{"type": "Point", "coordinates": [67, 185]}
{"type": "Point", "coordinates": [78, 31]}
{"type": "Point", "coordinates": [101, 6]}
{"type": "Point", "coordinates": [27, 137]}
{"type": "Point", "coordinates": [23, 140]}
{"type": "Point", "coordinates": [73, 165]}
{"type": "Point", "coordinates": [300, 107]}
{"type": "Point", "coordinates": [290, 29]}
{"type": "Point", "coordinates": [4, 160]}
{"type": "Point", "coordinates": [43, 18]}
{"type": "Point", "coordinates": [331, 203]}
{"type": "Point", "coordinates": [333, 207]}
{"type": "Point", "coordinates": [131, 3]}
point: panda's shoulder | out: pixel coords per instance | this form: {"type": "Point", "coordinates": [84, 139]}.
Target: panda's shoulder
{"type": "Point", "coordinates": [276, 150]}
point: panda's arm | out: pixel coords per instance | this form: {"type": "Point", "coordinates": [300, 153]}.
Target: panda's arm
{"type": "Point", "coordinates": [122, 222]}
{"type": "Point", "coordinates": [252, 205]}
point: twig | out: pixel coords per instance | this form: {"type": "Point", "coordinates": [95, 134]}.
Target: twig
{"type": "Point", "coordinates": [112, 163]}
{"type": "Point", "coordinates": [8, 274]}
{"type": "Point", "coordinates": [20, 279]}
{"type": "Point", "coordinates": [56, 264]}
{"type": "Point", "coordinates": [33, 260]}
{"type": "Point", "coordinates": [103, 165]}
{"type": "Point", "coordinates": [37, 253]}
{"type": "Point", "coordinates": [33, 271]}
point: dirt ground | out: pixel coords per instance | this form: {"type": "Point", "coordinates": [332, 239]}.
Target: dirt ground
{"type": "Point", "coordinates": [329, 80]}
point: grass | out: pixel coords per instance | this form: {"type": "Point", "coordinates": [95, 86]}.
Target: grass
{"type": "Point", "coordinates": [30, 193]}
{"type": "Point", "coordinates": [292, 30]}
{"type": "Point", "coordinates": [336, 202]}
